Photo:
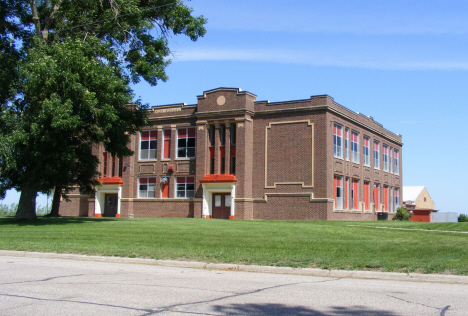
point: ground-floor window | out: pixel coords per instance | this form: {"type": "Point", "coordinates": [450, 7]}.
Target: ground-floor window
{"type": "Point", "coordinates": [366, 195]}
{"type": "Point", "coordinates": [397, 197]}
{"type": "Point", "coordinates": [338, 192]}
{"type": "Point", "coordinates": [376, 196]}
{"type": "Point", "coordinates": [346, 194]}
{"type": "Point", "coordinates": [354, 194]}
{"type": "Point", "coordinates": [147, 188]}
{"type": "Point", "coordinates": [385, 198]}
{"type": "Point", "coordinates": [185, 187]}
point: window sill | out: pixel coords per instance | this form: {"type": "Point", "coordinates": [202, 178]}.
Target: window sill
{"type": "Point", "coordinates": [147, 160]}
{"type": "Point", "coordinates": [190, 158]}
{"type": "Point", "coordinates": [347, 211]}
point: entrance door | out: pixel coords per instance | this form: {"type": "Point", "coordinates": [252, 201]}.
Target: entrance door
{"type": "Point", "coordinates": [221, 207]}
{"type": "Point", "coordinates": [110, 207]}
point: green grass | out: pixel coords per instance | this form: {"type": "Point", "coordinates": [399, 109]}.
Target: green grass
{"type": "Point", "coordinates": [323, 244]}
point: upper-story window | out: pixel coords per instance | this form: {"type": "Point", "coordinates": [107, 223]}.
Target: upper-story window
{"type": "Point", "coordinates": [385, 157]}
{"type": "Point", "coordinates": [366, 151]}
{"type": "Point", "coordinates": [376, 154]}
{"type": "Point", "coordinates": [347, 144]}
{"type": "Point", "coordinates": [166, 144]}
{"type": "Point", "coordinates": [185, 187]}
{"type": "Point", "coordinates": [222, 135]}
{"type": "Point", "coordinates": [396, 161]}
{"type": "Point", "coordinates": [390, 160]}
{"type": "Point", "coordinates": [233, 134]}
{"type": "Point", "coordinates": [186, 142]}
{"type": "Point", "coordinates": [337, 140]}
{"type": "Point", "coordinates": [355, 147]}
{"type": "Point", "coordinates": [148, 144]}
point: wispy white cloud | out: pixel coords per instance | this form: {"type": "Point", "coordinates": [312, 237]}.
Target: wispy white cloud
{"type": "Point", "coordinates": [318, 58]}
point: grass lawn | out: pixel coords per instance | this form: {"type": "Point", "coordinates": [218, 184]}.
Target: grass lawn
{"type": "Point", "coordinates": [322, 244]}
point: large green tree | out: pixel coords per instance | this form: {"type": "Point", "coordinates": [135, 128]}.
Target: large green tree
{"type": "Point", "coordinates": [65, 84]}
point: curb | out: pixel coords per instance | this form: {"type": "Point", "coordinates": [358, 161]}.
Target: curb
{"type": "Point", "coordinates": [353, 274]}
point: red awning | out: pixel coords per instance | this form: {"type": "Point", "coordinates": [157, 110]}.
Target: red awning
{"type": "Point", "coordinates": [111, 180]}
{"type": "Point", "coordinates": [211, 178]}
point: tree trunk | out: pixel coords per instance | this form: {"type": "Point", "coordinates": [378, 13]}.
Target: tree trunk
{"type": "Point", "coordinates": [27, 203]}
{"type": "Point", "coordinates": [56, 202]}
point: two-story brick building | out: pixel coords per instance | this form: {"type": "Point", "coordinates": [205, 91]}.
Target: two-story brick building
{"type": "Point", "coordinates": [230, 156]}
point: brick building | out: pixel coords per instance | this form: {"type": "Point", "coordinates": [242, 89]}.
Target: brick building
{"type": "Point", "coordinates": [230, 156]}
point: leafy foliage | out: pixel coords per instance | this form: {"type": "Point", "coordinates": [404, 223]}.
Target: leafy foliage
{"type": "Point", "coordinates": [65, 69]}
{"type": "Point", "coordinates": [463, 218]}
{"type": "Point", "coordinates": [402, 214]}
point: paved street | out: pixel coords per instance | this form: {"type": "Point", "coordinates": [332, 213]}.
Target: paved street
{"type": "Point", "coordinates": [42, 286]}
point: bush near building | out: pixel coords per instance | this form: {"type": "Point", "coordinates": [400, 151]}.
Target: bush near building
{"type": "Point", "coordinates": [402, 214]}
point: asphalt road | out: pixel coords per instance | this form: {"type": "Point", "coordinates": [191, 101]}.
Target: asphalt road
{"type": "Point", "coordinates": [43, 286]}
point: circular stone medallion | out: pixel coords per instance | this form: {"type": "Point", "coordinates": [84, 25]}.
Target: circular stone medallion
{"type": "Point", "coordinates": [221, 100]}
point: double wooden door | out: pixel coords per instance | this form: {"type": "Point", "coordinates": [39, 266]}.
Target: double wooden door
{"type": "Point", "coordinates": [221, 207]}
{"type": "Point", "coordinates": [110, 207]}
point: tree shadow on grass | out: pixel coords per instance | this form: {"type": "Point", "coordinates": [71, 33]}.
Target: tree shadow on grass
{"type": "Point", "coordinates": [281, 309]}
{"type": "Point", "coordinates": [43, 221]}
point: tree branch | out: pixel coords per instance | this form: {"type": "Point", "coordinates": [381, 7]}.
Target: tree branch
{"type": "Point", "coordinates": [35, 18]}
{"type": "Point", "coordinates": [50, 19]}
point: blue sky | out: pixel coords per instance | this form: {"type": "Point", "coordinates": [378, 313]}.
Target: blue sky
{"type": "Point", "coordinates": [403, 62]}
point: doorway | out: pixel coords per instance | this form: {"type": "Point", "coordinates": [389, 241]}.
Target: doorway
{"type": "Point", "coordinates": [221, 205]}
{"type": "Point", "coordinates": [110, 206]}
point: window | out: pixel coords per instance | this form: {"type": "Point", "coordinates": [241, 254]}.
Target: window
{"type": "Point", "coordinates": [113, 166]}
{"type": "Point", "coordinates": [186, 142]}
{"type": "Point", "coordinates": [120, 166]}
{"type": "Point", "coordinates": [385, 157]}
{"type": "Point", "coordinates": [337, 140]}
{"type": "Point", "coordinates": [390, 165]}
{"type": "Point", "coordinates": [376, 155]}
{"type": "Point", "coordinates": [355, 147]}
{"type": "Point", "coordinates": [396, 162]}
{"type": "Point", "coordinates": [211, 135]}
{"type": "Point", "coordinates": [167, 144]}
{"type": "Point", "coordinates": [232, 164]}
{"type": "Point", "coordinates": [354, 194]}
{"type": "Point", "coordinates": [385, 198]}
{"type": "Point", "coordinates": [104, 164]}
{"type": "Point", "coordinates": [147, 188]}
{"type": "Point", "coordinates": [366, 195]}
{"type": "Point", "coordinates": [391, 200]}
{"type": "Point", "coordinates": [397, 197]}
{"type": "Point", "coordinates": [148, 145]}
{"type": "Point", "coordinates": [222, 135]}
{"type": "Point", "coordinates": [346, 194]}
{"type": "Point", "coordinates": [366, 151]}
{"type": "Point", "coordinates": [376, 196]}
{"type": "Point", "coordinates": [347, 144]}
{"type": "Point", "coordinates": [185, 187]}
{"type": "Point", "coordinates": [233, 134]}
{"type": "Point", "coordinates": [338, 183]}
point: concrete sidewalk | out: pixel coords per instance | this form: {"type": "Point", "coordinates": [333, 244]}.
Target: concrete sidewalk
{"type": "Point", "coordinates": [371, 275]}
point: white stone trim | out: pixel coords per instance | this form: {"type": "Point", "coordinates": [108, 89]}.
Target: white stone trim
{"type": "Point", "coordinates": [101, 194]}
{"type": "Point", "coordinates": [209, 189]}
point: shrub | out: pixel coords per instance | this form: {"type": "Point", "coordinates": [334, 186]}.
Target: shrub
{"type": "Point", "coordinates": [463, 218]}
{"type": "Point", "coordinates": [402, 214]}
{"type": "Point", "coordinates": [8, 210]}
